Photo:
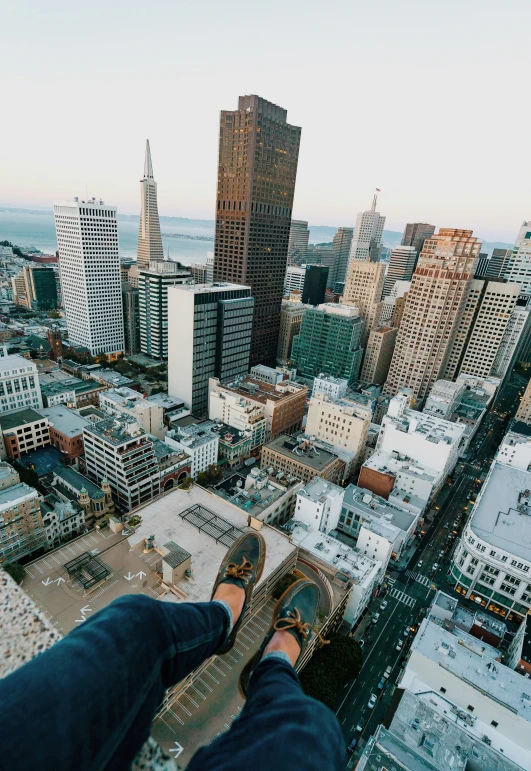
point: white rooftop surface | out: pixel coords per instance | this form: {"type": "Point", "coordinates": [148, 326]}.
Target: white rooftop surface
{"type": "Point", "coordinates": [319, 489]}
{"type": "Point", "coordinates": [432, 428]}
{"type": "Point", "coordinates": [474, 662]}
{"type": "Point", "coordinates": [161, 519]}
{"type": "Point", "coordinates": [496, 518]}
{"type": "Point", "coordinates": [349, 311]}
{"type": "Point", "coordinates": [16, 493]}
{"type": "Point", "coordinates": [165, 400]}
{"type": "Point", "coordinates": [386, 461]}
{"type": "Point", "coordinates": [66, 421]}
{"type": "Point", "coordinates": [194, 435]}
{"type": "Point", "coordinates": [219, 286]}
{"type": "Point", "coordinates": [14, 361]}
{"type": "Point", "coordinates": [376, 508]}
{"type": "Point", "coordinates": [339, 555]}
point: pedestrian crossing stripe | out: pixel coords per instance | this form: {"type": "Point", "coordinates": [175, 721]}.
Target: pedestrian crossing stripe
{"type": "Point", "coordinates": [424, 580]}
{"type": "Point", "coordinates": [402, 597]}
{"type": "Point", "coordinates": [391, 580]}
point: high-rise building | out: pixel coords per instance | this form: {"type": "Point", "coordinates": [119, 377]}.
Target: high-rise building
{"type": "Point", "coordinates": [341, 248]}
{"type": "Point", "coordinates": [378, 355]}
{"type": "Point", "coordinates": [341, 422]}
{"type": "Point", "coordinates": [433, 309]}
{"type": "Point", "coordinates": [149, 238]}
{"type": "Point", "coordinates": [87, 238]}
{"type": "Point", "coordinates": [367, 239]}
{"type": "Point", "coordinates": [299, 236]}
{"type": "Point", "coordinates": [329, 342]}
{"type": "Point", "coordinates": [290, 324]}
{"type": "Point", "coordinates": [482, 266]}
{"type": "Point", "coordinates": [294, 278]}
{"type": "Point", "coordinates": [516, 336]}
{"type": "Point", "coordinates": [209, 335]}
{"type": "Point", "coordinates": [401, 267]}
{"type": "Point", "coordinates": [21, 527]}
{"type": "Point", "coordinates": [41, 289]}
{"type": "Point", "coordinates": [258, 155]}
{"type": "Point", "coordinates": [363, 290]}
{"type": "Point", "coordinates": [315, 283]}
{"type": "Point", "coordinates": [153, 305]}
{"type": "Point", "coordinates": [523, 412]}
{"type": "Point", "coordinates": [517, 266]}
{"type": "Point", "coordinates": [415, 233]}
{"type": "Point", "coordinates": [131, 318]}
{"type": "Point", "coordinates": [496, 265]}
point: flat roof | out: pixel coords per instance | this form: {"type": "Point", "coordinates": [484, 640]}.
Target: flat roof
{"type": "Point", "coordinates": [64, 420]}
{"type": "Point", "coordinates": [289, 447]}
{"type": "Point", "coordinates": [10, 495]}
{"type": "Point", "coordinates": [195, 434]}
{"type": "Point", "coordinates": [374, 507]}
{"type": "Point", "coordinates": [260, 391]}
{"type": "Point", "coordinates": [78, 481]}
{"type": "Point", "coordinates": [19, 418]}
{"type": "Point", "coordinates": [502, 513]}
{"type": "Point", "coordinates": [217, 286]}
{"type": "Point", "coordinates": [319, 489]}
{"type": "Point", "coordinates": [113, 430]}
{"type": "Point", "coordinates": [393, 462]}
{"type": "Point", "coordinates": [14, 361]}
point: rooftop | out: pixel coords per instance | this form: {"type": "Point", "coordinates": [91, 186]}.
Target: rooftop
{"type": "Point", "coordinates": [166, 401]}
{"type": "Point", "coordinates": [43, 460]}
{"type": "Point", "coordinates": [111, 377]}
{"type": "Point", "coordinates": [319, 490]}
{"type": "Point", "coordinates": [16, 494]}
{"type": "Point", "coordinates": [302, 451]}
{"type": "Point", "coordinates": [68, 384]}
{"type": "Point", "coordinates": [502, 512]}
{"type": "Point", "coordinates": [335, 309]}
{"type": "Point", "coordinates": [195, 434]}
{"type": "Point", "coordinates": [20, 418]}
{"type": "Point", "coordinates": [13, 361]}
{"type": "Point", "coordinates": [262, 392]}
{"type": "Point", "coordinates": [431, 428]}
{"type": "Point", "coordinates": [385, 750]}
{"type": "Point", "coordinates": [217, 286]}
{"type": "Point", "coordinates": [116, 431]}
{"type": "Point", "coordinates": [373, 507]}
{"type": "Point", "coordinates": [255, 492]}
{"type": "Point", "coordinates": [394, 462]}
{"type": "Point", "coordinates": [64, 420]}
{"type": "Point", "coordinates": [78, 481]}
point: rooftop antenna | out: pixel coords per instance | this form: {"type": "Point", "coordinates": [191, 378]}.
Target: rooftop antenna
{"type": "Point", "coordinates": [373, 207]}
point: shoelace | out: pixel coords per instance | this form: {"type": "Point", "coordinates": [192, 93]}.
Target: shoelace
{"type": "Point", "coordinates": [243, 571]}
{"type": "Point", "coordinates": [294, 621]}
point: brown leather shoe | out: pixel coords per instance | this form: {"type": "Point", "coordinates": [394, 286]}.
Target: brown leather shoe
{"type": "Point", "coordinates": [295, 612]}
{"type": "Point", "coordinates": [242, 566]}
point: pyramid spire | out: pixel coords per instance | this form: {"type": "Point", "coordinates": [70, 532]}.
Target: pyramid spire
{"type": "Point", "coordinates": [148, 168]}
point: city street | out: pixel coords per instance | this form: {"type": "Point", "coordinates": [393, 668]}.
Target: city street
{"type": "Point", "coordinates": [409, 591]}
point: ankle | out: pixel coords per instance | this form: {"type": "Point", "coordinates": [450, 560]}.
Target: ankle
{"type": "Point", "coordinates": [234, 596]}
{"type": "Point", "coordinates": [285, 642]}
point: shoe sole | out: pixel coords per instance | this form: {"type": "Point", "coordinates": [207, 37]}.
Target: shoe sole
{"type": "Point", "coordinates": [236, 628]}
{"type": "Point", "coordinates": [253, 661]}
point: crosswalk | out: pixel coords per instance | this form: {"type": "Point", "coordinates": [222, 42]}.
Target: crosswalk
{"type": "Point", "coordinates": [424, 580]}
{"type": "Point", "coordinates": [402, 597]}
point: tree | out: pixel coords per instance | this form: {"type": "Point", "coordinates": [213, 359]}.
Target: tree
{"type": "Point", "coordinates": [210, 476]}
{"type": "Point", "coordinates": [16, 571]}
{"type": "Point", "coordinates": [330, 667]}
{"type": "Point", "coordinates": [186, 484]}
{"type": "Point", "coordinates": [27, 475]}
{"type": "Point", "coordinates": [54, 314]}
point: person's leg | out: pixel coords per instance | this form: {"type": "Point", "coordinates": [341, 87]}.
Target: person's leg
{"type": "Point", "coordinates": [279, 728]}
{"type": "Point", "coordinates": [88, 702]}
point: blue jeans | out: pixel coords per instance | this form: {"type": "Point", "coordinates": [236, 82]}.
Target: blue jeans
{"type": "Point", "coordinates": [88, 702]}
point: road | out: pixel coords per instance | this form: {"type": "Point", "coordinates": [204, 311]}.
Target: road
{"type": "Point", "coordinates": [409, 591]}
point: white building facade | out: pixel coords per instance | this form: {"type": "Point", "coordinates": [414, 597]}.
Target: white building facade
{"type": "Point", "coordinates": [237, 411]}
{"type": "Point", "coordinates": [19, 383]}
{"type": "Point", "coordinates": [200, 441]}
{"type": "Point", "coordinates": [319, 505]}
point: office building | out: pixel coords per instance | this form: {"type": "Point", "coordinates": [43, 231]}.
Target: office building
{"type": "Point", "coordinates": [403, 481]}
{"type": "Point", "coordinates": [415, 233]}
{"type": "Point", "coordinates": [21, 527]}
{"type": "Point", "coordinates": [267, 498]}
{"type": "Point", "coordinates": [517, 266]}
{"type": "Point", "coordinates": [253, 210]}
{"type": "Point", "coordinates": [318, 505]}
{"type": "Point", "coordinates": [303, 459]}
{"type": "Point", "coordinates": [342, 422]}
{"type": "Point", "coordinates": [515, 342]}
{"type": "Point", "coordinates": [492, 562]}
{"type": "Point", "coordinates": [65, 430]}
{"type": "Point", "coordinates": [341, 244]}
{"type": "Point", "coordinates": [523, 413]}
{"type": "Point", "coordinates": [233, 409]}
{"type": "Point", "coordinates": [378, 355]}
{"type": "Point", "coordinates": [367, 239]}
{"type": "Point", "coordinates": [153, 305]}
{"type": "Point", "coordinates": [330, 387]}
{"type": "Point", "coordinates": [299, 236]}
{"type": "Point", "coordinates": [267, 374]}
{"type": "Point", "coordinates": [200, 441]}
{"type": "Point", "coordinates": [329, 342]}
{"type": "Point", "coordinates": [209, 335]}
{"type": "Point", "coordinates": [131, 318]}
{"type": "Point", "coordinates": [19, 291]}
{"type": "Point", "coordinates": [294, 279]}
{"type": "Point", "coordinates": [315, 283]}
{"type": "Point", "coordinates": [401, 267]}
{"type": "Point", "coordinates": [89, 265]}
{"type": "Point", "coordinates": [23, 431]}
{"type": "Point", "coordinates": [35, 288]}
{"type": "Point", "coordinates": [482, 265]}
{"type": "Point", "coordinates": [282, 404]}
{"type": "Point", "coordinates": [19, 383]}
{"type": "Point", "coordinates": [363, 290]}
{"type": "Point", "coordinates": [290, 325]}
{"type": "Point", "coordinates": [124, 401]}
{"type": "Point", "coordinates": [202, 272]}
{"type": "Point", "coordinates": [149, 238]}
{"type": "Point", "coordinates": [433, 310]}
{"type": "Point", "coordinates": [495, 268]}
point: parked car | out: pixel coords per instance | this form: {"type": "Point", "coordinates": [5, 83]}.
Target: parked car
{"type": "Point", "coordinates": [446, 525]}
{"type": "Point", "coordinates": [375, 618]}
{"type": "Point", "coordinates": [373, 700]}
{"type": "Point", "coordinates": [359, 727]}
{"type": "Point", "coordinates": [441, 554]}
{"type": "Point", "coordinates": [352, 746]}
{"type": "Point", "coordinates": [419, 564]}
{"type": "Point", "coordinates": [383, 605]}
{"type": "Point", "coordinates": [399, 645]}
{"type": "Point", "coordinates": [381, 684]}
{"type": "Point", "coordinates": [435, 567]}
{"type": "Point", "coordinates": [361, 643]}
{"type": "Point", "coordinates": [406, 631]}
{"type": "Point", "coordinates": [388, 671]}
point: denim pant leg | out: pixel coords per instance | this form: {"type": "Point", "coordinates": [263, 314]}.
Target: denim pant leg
{"type": "Point", "coordinates": [88, 702]}
{"type": "Point", "coordinates": [279, 728]}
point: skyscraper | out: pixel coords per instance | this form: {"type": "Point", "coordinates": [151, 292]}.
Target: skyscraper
{"type": "Point", "coordinates": [209, 335]}
{"type": "Point", "coordinates": [401, 267]}
{"type": "Point", "coordinates": [517, 266]}
{"type": "Point", "coordinates": [258, 155]}
{"type": "Point", "coordinates": [149, 238]}
{"type": "Point", "coordinates": [367, 239]}
{"type": "Point", "coordinates": [153, 305]}
{"type": "Point", "coordinates": [315, 283]}
{"type": "Point", "coordinates": [89, 265]}
{"type": "Point", "coordinates": [341, 248]}
{"type": "Point", "coordinates": [363, 290]}
{"type": "Point", "coordinates": [131, 318]}
{"type": "Point", "coordinates": [415, 233]}
{"type": "Point", "coordinates": [299, 236]}
{"type": "Point", "coordinates": [433, 310]}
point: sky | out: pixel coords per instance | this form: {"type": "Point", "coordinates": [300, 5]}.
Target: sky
{"type": "Point", "coordinates": [427, 100]}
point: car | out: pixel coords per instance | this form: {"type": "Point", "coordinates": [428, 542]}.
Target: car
{"type": "Point", "coordinates": [372, 700]}
{"type": "Point", "coordinates": [388, 671]}
{"type": "Point", "coordinates": [359, 727]}
{"type": "Point", "coordinates": [435, 567]}
{"type": "Point", "coordinates": [419, 564]}
{"type": "Point", "coordinates": [441, 553]}
{"type": "Point", "coordinates": [456, 522]}
{"type": "Point", "coordinates": [375, 618]}
{"type": "Point", "coordinates": [352, 746]}
{"type": "Point", "coordinates": [381, 684]}
{"type": "Point", "coordinates": [383, 605]}
{"type": "Point", "coordinates": [446, 526]}
{"type": "Point", "coordinates": [406, 631]}
{"type": "Point", "coordinates": [399, 645]}
{"type": "Point", "coordinates": [430, 543]}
